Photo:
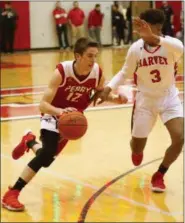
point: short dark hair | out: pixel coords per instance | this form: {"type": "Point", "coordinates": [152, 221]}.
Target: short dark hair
{"type": "Point", "coordinates": [153, 16]}
{"type": "Point", "coordinates": [82, 44]}
{"type": "Point", "coordinates": [97, 5]}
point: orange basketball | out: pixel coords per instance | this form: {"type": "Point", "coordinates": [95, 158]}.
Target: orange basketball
{"type": "Point", "coordinates": [72, 125]}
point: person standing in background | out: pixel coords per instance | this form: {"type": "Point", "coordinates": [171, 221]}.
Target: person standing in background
{"type": "Point", "coordinates": [76, 18]}
{"type": "Point", "coordinates": [1, 24]}
{"type": "Point", "coordinates": [8, 27]}
{"type": "Point", "coordinates": [60, 16]}
{"type": "Point", "coordinates": [118, 24]}
{"type": "Point", "coordinates": [129, 25]}
{"type": "Point", "coordinates": [95, 20]}
{"type": "Point", "coordinates": [168, 24]}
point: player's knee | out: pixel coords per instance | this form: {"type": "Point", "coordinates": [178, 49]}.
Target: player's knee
{"type": "Point", "coordinates": [45, 158]}
{"type": "Point", "coordinates": [178, 139]}
{"type": "Point", "coordinates": [47, 162]}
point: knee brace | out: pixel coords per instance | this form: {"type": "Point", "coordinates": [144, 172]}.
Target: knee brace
{"type": "Point", "coordinates": [42, 159]}
{"type": "Point", "coordinates": [45, 158]}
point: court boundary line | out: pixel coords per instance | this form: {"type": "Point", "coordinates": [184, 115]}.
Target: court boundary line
{"type": "Point", "coordinates": [105, 107]}
{"type": "Point", "coordinates": [92, 199]}
{"type": "Point", "coordinates": [114, 195]}
{"type": "Point", "coordinates": [87, 110]}
{"type": "Point", "coordinates": [36, 104]}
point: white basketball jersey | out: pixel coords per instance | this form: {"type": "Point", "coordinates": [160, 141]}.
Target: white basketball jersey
{"type": "Point", "coordinates": [154, 68]}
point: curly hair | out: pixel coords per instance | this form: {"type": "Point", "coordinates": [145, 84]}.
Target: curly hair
{"type": "Point", "coordinates": [153, 16]}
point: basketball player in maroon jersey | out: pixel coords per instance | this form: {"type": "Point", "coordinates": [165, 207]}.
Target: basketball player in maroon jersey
{"type": "Point", "coordinates": [70, 89]}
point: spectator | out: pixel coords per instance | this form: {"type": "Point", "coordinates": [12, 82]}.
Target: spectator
{"type": "Point", "coordinates": [129, 25]}
{"type": "Point", "coordinates": [1, 24]}
{"type": "Point", "coordinates": [118, 24]}
{"type": "Point", "coordinates": [60, 16]}
{"type": "Point", "coordinates": [95, 20]}
{"type": "Point", "coordinates": [168, 24]}
{"type": "Point", "coordinates": [180, 33]}
{"type": "Point", "coordinates": [76, 18]}
{"type": "Point", "coordinates": [8, 28]}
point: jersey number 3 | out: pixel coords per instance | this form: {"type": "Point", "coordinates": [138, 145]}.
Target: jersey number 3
{"type": "Point", "coordinates": [156, 76]}
{"type": "Point", "coordinates": [74, 96]}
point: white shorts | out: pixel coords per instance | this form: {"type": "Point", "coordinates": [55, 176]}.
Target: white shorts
{"type": "Point", "coordinates": [49, 122]}
{"type": "Point", "coordinates": [147, 109]}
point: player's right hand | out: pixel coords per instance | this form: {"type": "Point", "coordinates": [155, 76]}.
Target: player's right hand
{"type": "Point", "coordinates": [68, 109]}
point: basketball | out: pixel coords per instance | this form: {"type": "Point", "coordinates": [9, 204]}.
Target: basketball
{"type": "Point", "coordinates": [72, 125]}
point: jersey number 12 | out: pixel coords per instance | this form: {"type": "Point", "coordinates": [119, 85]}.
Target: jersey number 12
{"type": "Point", "coordinates": [74, 96]}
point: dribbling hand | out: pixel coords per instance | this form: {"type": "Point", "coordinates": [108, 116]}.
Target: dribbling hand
{"type": "Point", "coordinates": [68, 109]}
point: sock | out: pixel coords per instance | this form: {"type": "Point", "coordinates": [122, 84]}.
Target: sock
{"type": "Point", "coordinates": [30, 144]}
{"type": "Point", "coordinates": [19, 185]}
{"type": "Point", "coordinates": [162, 169]}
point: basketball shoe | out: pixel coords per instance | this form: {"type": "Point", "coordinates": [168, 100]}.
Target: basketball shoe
{"type": "Point", "coordinates": [10, 200]}
{"type": "Point", "coordinates": [137, 158]}
{"type": "Point", "coordinates": [157, 182]}
{"type": "Point", "coordinates": [22, 147]}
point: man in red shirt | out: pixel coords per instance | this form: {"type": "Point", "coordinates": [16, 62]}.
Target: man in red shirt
{"type": "Point", "coordinates": [60, 16]}
{"type": "Point", "coordinates": [76, 18]}
{"type": "Point", "coordinates": [95, 23]}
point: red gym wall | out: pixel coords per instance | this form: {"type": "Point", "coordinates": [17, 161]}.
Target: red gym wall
{"type": "Point", "coordinates": [177, 7]}
{"type": "Point", "coordinates": [22, 35]}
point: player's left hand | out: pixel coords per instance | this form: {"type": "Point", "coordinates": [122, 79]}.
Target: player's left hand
{"type": "Point", "coordinates": [101, 96]}
{"type": "Point", "coordinates": [142, 28]}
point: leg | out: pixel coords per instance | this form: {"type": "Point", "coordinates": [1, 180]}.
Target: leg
{"type": "Point", "coordinates": [81, 31]}
{"type": "Point", "coordinates": [176, 131]}
{"type": "Point", "coordinates": [59, 36]}
{"type": "Point", "coordinates": [66, 43]}
{"type": "Point", "coordinates": [91, 34]}
{"type": "Point", "coordinates": [44, 157]}
{"type": "Point", "coordinates": [4, 39]}
{"type": "Point", "coordinates": [143, 120]}
{"type": "Point", "coordinates": [118, 35]}
{"type": "Point", "coordinates": [74, 34]}
{"type": "Point", "coordinates": [98, 35]}
{"type": "Point", "coordinates": [11, 39]}
{"type": "Point", "coordinates": [172, 116]}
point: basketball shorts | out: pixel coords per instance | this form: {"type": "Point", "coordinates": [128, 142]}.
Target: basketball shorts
{"type": "Point", "coordinates": [146, 110]}
{"type": "Point", "coordinates": [49, 123]}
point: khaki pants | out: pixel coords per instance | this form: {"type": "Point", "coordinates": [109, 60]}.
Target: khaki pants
{"type": "Point", "coordinates": [77, 32]}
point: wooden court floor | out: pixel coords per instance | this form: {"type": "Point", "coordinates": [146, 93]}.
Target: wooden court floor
{"type": "Point", "coordinates": [93, 180]}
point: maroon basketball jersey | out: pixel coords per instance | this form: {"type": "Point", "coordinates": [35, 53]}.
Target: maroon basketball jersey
{"type": "Point", "coordinates": [74, 92]}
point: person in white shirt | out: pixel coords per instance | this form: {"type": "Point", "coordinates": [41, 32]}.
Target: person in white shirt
{"type": "Point", "coordinates": [152, 62]}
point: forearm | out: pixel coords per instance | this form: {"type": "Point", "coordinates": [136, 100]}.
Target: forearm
{"type": "Point", "coordinates": [47, 108]}
{"type": "Point", "coordinates": [117, 80]}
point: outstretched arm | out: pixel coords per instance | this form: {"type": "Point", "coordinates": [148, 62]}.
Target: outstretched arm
{"type": "Point", "coordinates": [145, 32]}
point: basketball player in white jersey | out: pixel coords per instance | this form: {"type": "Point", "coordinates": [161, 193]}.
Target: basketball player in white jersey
{"type": "Point", "coordinates": [70, 89]}
{"type": "Point", "coordinates": [152, 62]}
